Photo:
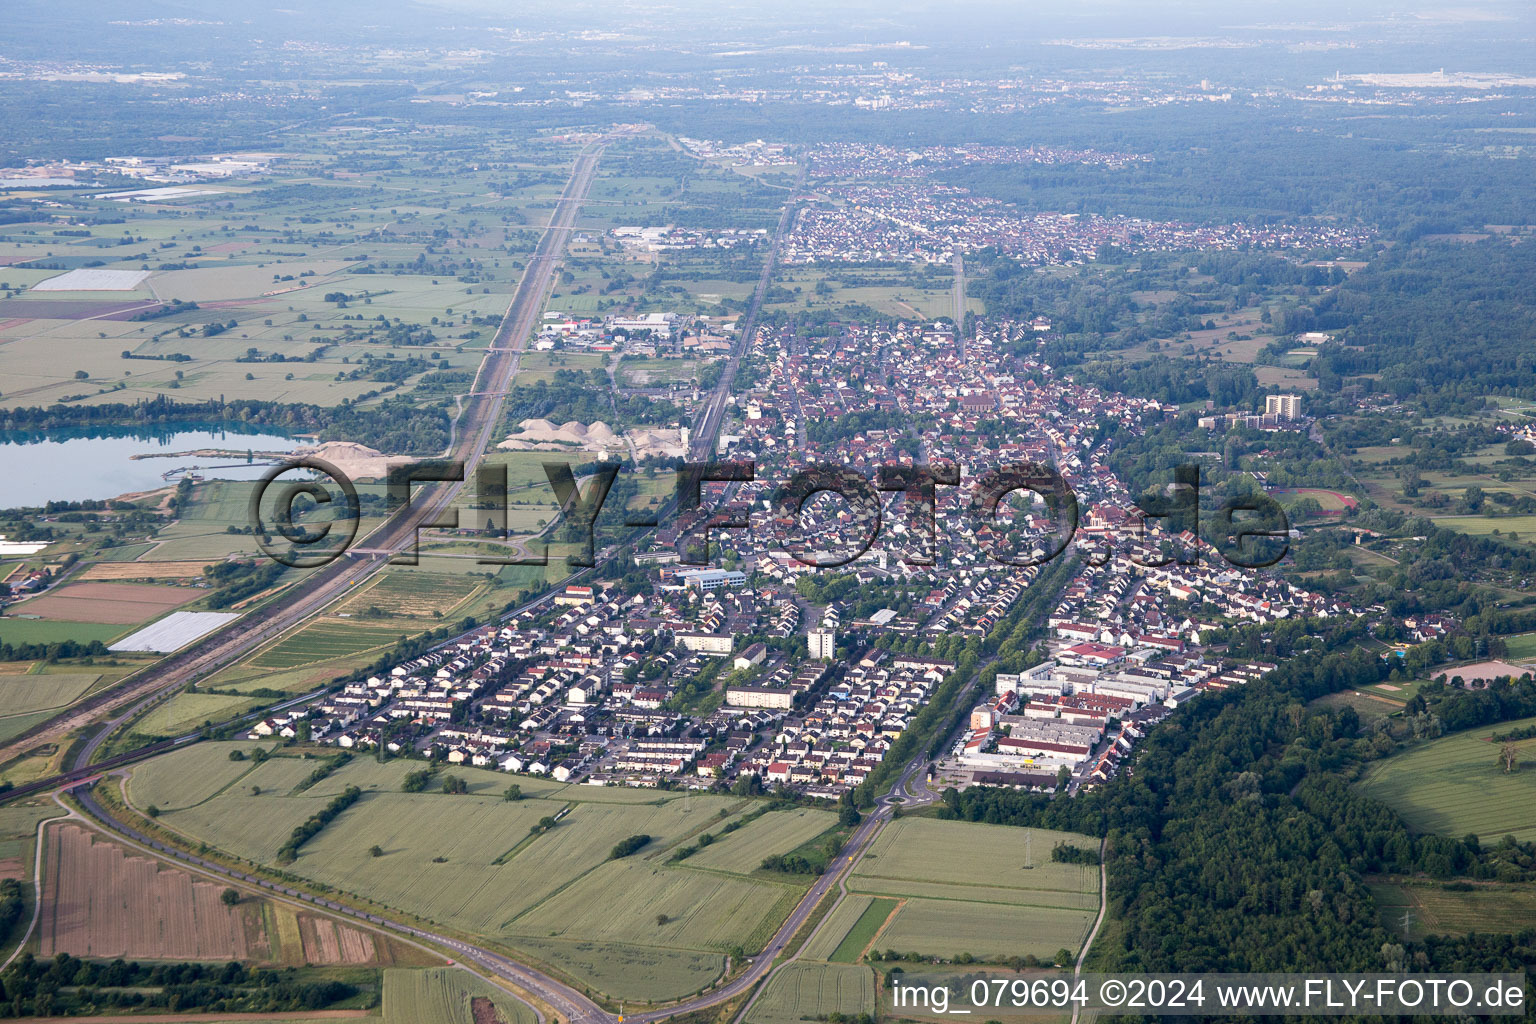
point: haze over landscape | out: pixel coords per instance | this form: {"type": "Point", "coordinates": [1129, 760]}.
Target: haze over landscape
{"type": "Point", "coordinates": [754, 514]}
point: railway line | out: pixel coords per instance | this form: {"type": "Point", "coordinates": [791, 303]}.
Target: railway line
{"type": "Point", "coordinates": [324, 585]}
{"type": "Point", "coordinates": [472, 432]}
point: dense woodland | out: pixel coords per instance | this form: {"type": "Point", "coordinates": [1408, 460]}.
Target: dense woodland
{"type": "Point", "coordinates": [395, 425]}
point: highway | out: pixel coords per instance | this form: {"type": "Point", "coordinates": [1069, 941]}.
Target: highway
{"type": "Point", "coordinates": [324, 585]}
{"type": "Point", "coordinates": [480, 415]}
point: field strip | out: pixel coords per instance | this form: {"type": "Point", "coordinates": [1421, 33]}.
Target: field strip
{"type": "Point", "coordinates": [854, 880]}
{"type": "Point", "coordinates": [959, 899]}
{"type": "Point", "coordinates": [526, 841]}
{"type": "Point", "coordinates": [852, 956]}
{"type": "Point", "coordinates": [294, 1017]}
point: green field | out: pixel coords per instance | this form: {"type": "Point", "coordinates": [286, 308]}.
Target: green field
{"type": "Point", "coordinates": [203, 771]}
{"type": "Point", "coordinates": [22, 694]}
{"type": "Point", "coordinates": [851, 948]}
{"type": "Point", "coordinates": [50, 631]}
{"type": "Point", "coordinates": [801, 991]}
{"type": "Point", "coordinates": [972, 888]}
{"type": "Point", "coordinates": [1416, 909]}
{"type": "Point", "coordinates": [1524, 527]}
{"type": "Point", "coordinates": [988, 931]}
{"type": "Point", "coordinates": [835, 926]}
{"type": "Point", "coordinates": [189, 710]}
{"type": "Point", "coordinates": [325, 641]}
{"type": "Point", "coordinates": [1521, 647]}
{"type": "Point", "coordinates": [14, 725]}
{"type": "Point", "coordinates": [18, 829]}
{"type": "Point", "coordinates": [1453, 786]}
{"type": "Point", "coordinates": [442, 995]}
{"type": "Point", "coordinates": [652, 929]}
{"type": "Point", "coordinates": [743, 850]}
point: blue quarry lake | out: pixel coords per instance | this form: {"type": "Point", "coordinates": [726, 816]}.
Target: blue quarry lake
{"type": "Point", "coordinates": [98, 464]}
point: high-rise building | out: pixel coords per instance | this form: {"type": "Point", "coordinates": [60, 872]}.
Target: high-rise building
{"type": "Point", "coordinates": [823, 644]}
{"type": "Point", "coordinates": [1285, 407]}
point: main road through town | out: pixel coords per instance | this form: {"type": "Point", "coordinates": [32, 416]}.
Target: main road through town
{"type": "Point", "coordinates": [478, 419]}
{"type": "Point", "coordinates": [481, 411]}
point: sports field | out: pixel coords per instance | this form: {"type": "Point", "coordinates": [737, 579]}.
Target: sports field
{"type": "Point", "coordinates": [652, 928]}
{"type": "Point", "coordinates": [802, 991]}
{"type": "Point", "coordinates": [1455, 786]}
{"type": "Point", "coordinates": [988, 890]}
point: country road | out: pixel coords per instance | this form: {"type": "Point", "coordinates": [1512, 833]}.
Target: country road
{"type": "Point", "coordinates": [473, 432]}
{"type": "Point", "coordinates": [575, 1007]}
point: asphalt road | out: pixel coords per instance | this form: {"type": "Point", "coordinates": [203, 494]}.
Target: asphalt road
{"type": "Point", "coordinates": [568, 1002]}
{"type": "Point", "coordinates": [707, 425]}
{"type": "Point", "coordinates": [306, 598]}
{"type": "Point", "coordinates": [474, 429]}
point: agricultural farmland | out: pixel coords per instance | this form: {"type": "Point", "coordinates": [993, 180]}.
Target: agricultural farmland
{"type": "Point", "coordinates": [18, 832]}
{"type": "Point", "coordinates": [101, 902]}
{"type": "Point", "coordinates": [801, 991]}
{"type": "Point", "coordinates": [1454, 786]}
{"type": "Point", "coordinates": [472, 862]}
{"type": "Point", "coordinates": [114, 603]}
{"type": "Point", "coordinates": [971, 888]}
{"type": "Point", "coordinates": [23, 694]}
{"type": "Point", "coordinates": [446, 995]}
{"type": "Point", "coordinates": [201, 772]}
{"type": "Point", "coordinates": [1414, 909]}
{"type": "Point", "coordinates": [864, 930]}
{"type": "Point", "coordinates": [835, 926]}
{"type": "Point", "coordinates": [743, 850]}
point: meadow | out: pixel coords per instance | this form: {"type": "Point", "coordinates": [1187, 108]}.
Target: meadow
{"type": "Point", "coordinates": [654, 928]}
{"type": "Point", "coordinates": [851, 948]}
{"type": "Point", "coordinates": [801, 991]}
{"type": "Point", "coordinates": [1453, 785]}
{"type": "Point", "coordinates": [444, 995]}
{"type": "Point", "coordinates": [1416, 908]}
{"type": "Point", "coordinates": [836, 926]}
{"type": "Point", "coordinates": [972, 888]}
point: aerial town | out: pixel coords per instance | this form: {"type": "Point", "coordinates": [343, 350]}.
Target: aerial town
{"type": "Point", "coordinates": [767, 674]}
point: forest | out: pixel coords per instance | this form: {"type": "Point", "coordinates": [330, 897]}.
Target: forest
{"type": "Point", "coordinates": [395, 425]}
{"type": "Point", "coordinates": [1397, 315]}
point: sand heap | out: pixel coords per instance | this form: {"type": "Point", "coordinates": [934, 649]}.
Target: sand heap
{"type": "Point", "coordinates": [357, 461]}
{"type": "Point", "coordinates": [542, 435]}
